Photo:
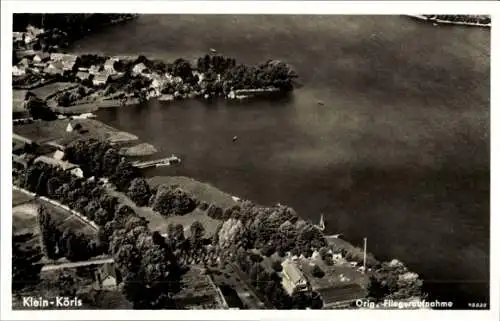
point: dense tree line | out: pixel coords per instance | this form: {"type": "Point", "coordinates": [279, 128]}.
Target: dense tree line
{"type": "Point", "coordinates": [25, 271]}
{"type": "Point", "coordinates": [145, 260]}
{"type": "Point", "coordinates": [270, 229]}
{"type": "Point", "coordinates": [392, 280]}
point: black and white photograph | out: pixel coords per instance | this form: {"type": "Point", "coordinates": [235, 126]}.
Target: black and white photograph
{"type": "Point", "coordinates": [243, 161]}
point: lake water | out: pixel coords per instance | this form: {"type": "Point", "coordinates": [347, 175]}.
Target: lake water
{"type": "Point", "coordinates": [398, 153]}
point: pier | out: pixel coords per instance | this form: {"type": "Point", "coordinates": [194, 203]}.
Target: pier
{"type": "Point", "coordinates": [167, 161]}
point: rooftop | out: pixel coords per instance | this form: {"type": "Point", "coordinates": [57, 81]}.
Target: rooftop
{"type": "Point", "coordinates": [54, 162]}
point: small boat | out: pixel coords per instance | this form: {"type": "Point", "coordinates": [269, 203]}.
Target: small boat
{"type": "Point", "coordinates": [321, 226]}
{"type": "Point", "coordinates": [212, 50]}
{"type": "Point", "coordinates": [320, 103]}
{"type": "Point", "coordinates": [235, 139]}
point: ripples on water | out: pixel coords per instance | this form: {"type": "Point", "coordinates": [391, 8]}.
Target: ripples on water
{"type": "Point", "coordinates": [398, 153]}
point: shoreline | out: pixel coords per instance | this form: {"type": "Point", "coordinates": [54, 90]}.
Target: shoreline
{"type": "Point", "coordinates": [449, 22]}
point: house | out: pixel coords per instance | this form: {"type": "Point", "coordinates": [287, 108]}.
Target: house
{"type": "Point", "coordinates": [69, 62]}
{"type": "Point", "coordinates": [43, 56]}
{"type": "Point", "coordinates": [24, 62]}
{"type": "Point", "coordinates": [94, 70]}
{"type": "Point", "coordinates": [18, 71]}
{"type": "Point", "coordinates": [73, 126]}
{"type": "Point", "coordinates": [139, 68]}
{"type": "Point", "coordinates": [293, 279]}
{"type": "Point", "coordinates": [19, 162]}
{"type": "Point", "coordinates": [82, 75]}
{"type": "Point", "coordinates": [341, 296]}
{"type": "Point", "coordinates": [109, 65]}
{"type": "Point", "coordinates": [100, 79]}
{"type": "Point", "coordinates": [65, 166]}
{"type": "Point", "coordinates": [107, 276]}
{"type": "Point", "coordinates": [55, 56]}
{"type": "Point", "coordinates": [54, 68]}
{"type": "Point", "coordinates": [17, 36]}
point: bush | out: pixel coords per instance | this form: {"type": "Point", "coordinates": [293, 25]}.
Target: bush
{"type": "Point", "coordinates": [268, 250]}
{"type": "Point", "coordinates": [139, 191]}
{"type": "Point", "coordinates": [203, 206]}
{"type": "Point", "coordinates": [276, 265]}
{"type": "Point", "coordinates": [317, 272]}
{"type": "Point", "coordinates": [173, 201]}
{"type": "Point", "coordinates": [214, 212]}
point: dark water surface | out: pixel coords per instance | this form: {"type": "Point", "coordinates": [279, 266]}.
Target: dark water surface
{"type": "Point", "coordinates": [399, 152]}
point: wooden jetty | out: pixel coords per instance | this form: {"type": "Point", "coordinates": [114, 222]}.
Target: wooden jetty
{"type": "Point", "coordinates": [167, 161]}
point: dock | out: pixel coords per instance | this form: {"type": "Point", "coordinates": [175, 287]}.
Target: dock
{"type": "Point", "coordinates": [167, 161]}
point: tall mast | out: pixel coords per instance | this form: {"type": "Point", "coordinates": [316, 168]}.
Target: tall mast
{"type": "Point", "coordinates": [364, 256]}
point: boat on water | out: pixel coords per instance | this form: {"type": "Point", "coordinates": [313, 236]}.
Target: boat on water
{"type": "Point", "coordinates": [321, 226]}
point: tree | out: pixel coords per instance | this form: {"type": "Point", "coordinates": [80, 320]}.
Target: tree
{"type": "Point", "coordinates": [276, 265]}
{"type": "Point", "coordinates": [25, 271]}
{"type": "Point", "coordinates": [173, 201]}
{"type": "Point", "coordinates": [102, 216]}
{"type": "Point", "coordinates": [139, 191]}
{"type": "Point", "coordinates": [197, 230]}
{"type": "Point", "coordinates": [66, 284]}
{"type": "Point", "coordinates": [48, 233]}
{"type": "Point", "coordinates": [317, 272]}
{"type": "Point", "coordinates": [182, 68]}
{"type": "Point", "coordinates": [123, 213]}
{"type": "Point", "coordinates": [123, 175]}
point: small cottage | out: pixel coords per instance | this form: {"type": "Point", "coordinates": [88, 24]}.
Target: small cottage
{"type": "Point", "coordinates": [18, 71]}
{"type": "Point", "coordinates": [139, 68]}
{"type": "Point", "coordinates": [100, 79]}
{"type": "Point", "coordinates": [82, 75]}
{"type": "Point", "coordinates": [40, 57]}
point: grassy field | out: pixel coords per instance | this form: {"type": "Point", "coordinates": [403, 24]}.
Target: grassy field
{"type": "Point", "coordinates": [45, 131]}
{"type": "Point", "coordinates": [202, 191]}
{"type": "Point", "coordinates": [24, 219]}
{"type": "Point", "coordinates": [19, 198]}
{"type": "Point", "coordinates": [47, 91]}
{"type": "Point", "coordinates": [160, 223]}
{"type": "Point", "coordinates": [18, 100]}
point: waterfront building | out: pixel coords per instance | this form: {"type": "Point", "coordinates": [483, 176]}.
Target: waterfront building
{"type": "Point", "coordinates": [65, 166]}
{"type": "Point", "coordinates": [109, 65]}
{"type": "Point", "coordinates": [293, 279]}
{"type": "Point", "coordinates": [42, 56]}
{"type": "Point", "coordinates": [100, 79]}
{"type": "Point", "coordinates": [18, 71]}
{"type": "Point", "coordinates": [82, 75]}
{"type": "Point", "coordinates": [139, 69]}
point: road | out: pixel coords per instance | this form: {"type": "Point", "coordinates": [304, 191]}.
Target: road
{"type": "Point", "coordinates": [52, 267]}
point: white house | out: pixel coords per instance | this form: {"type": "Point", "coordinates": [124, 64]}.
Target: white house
{"type": "Point", "coordinates": [65, 166]}
{"type": "Point", "coordinates": [54, 69]}
{"type": "Point", "coordinates": [18, 71]}
{"type": "Point", "coordinates": [139, 68]}
{"type": "Point", "coordinates": [41, 57]}
{"type": "Point", "coordinates": [109, 65]}
{"type": "Point", "coordinates": [94, 70]}
{"type": "Point", "coordinates": [82, 75]}
{"type": "Point", "coordinates": [100, 79]}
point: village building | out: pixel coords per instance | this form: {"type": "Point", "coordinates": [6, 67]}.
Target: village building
{"type": "Point", "coordinates": [65, 166]}
{"type": "Point", "coordinates": [54, 68]}
{"type": "Point", "coordinates": [94, 70]}
{"type": "Point", "coordinates": [73, 126]}
{"type": "Point", "coordinates": [82, 75]}
{"type": "Point", "coordinates": [69, 62]}
{"type": "Point", "coordinates": [293, 279]}
{"type": "Point", "coordinates": [17, 36]}
{"type": "Point", "coordinates": [24, 62]}
{"type": "Point", "coordinates": [107, 276]}
{"type": "Point", "coordinates": [18, 70]}
{"type": "Point", "coordinates": [56, 56]}
{"type": "Point", "coordinates": [139, 69]}
{"type": "Point", "coordinates": [43, 56]}
{"type": "Point", "coordinates": [100, 79]}
{"type": "Point", "coordinates": [109, 65]}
